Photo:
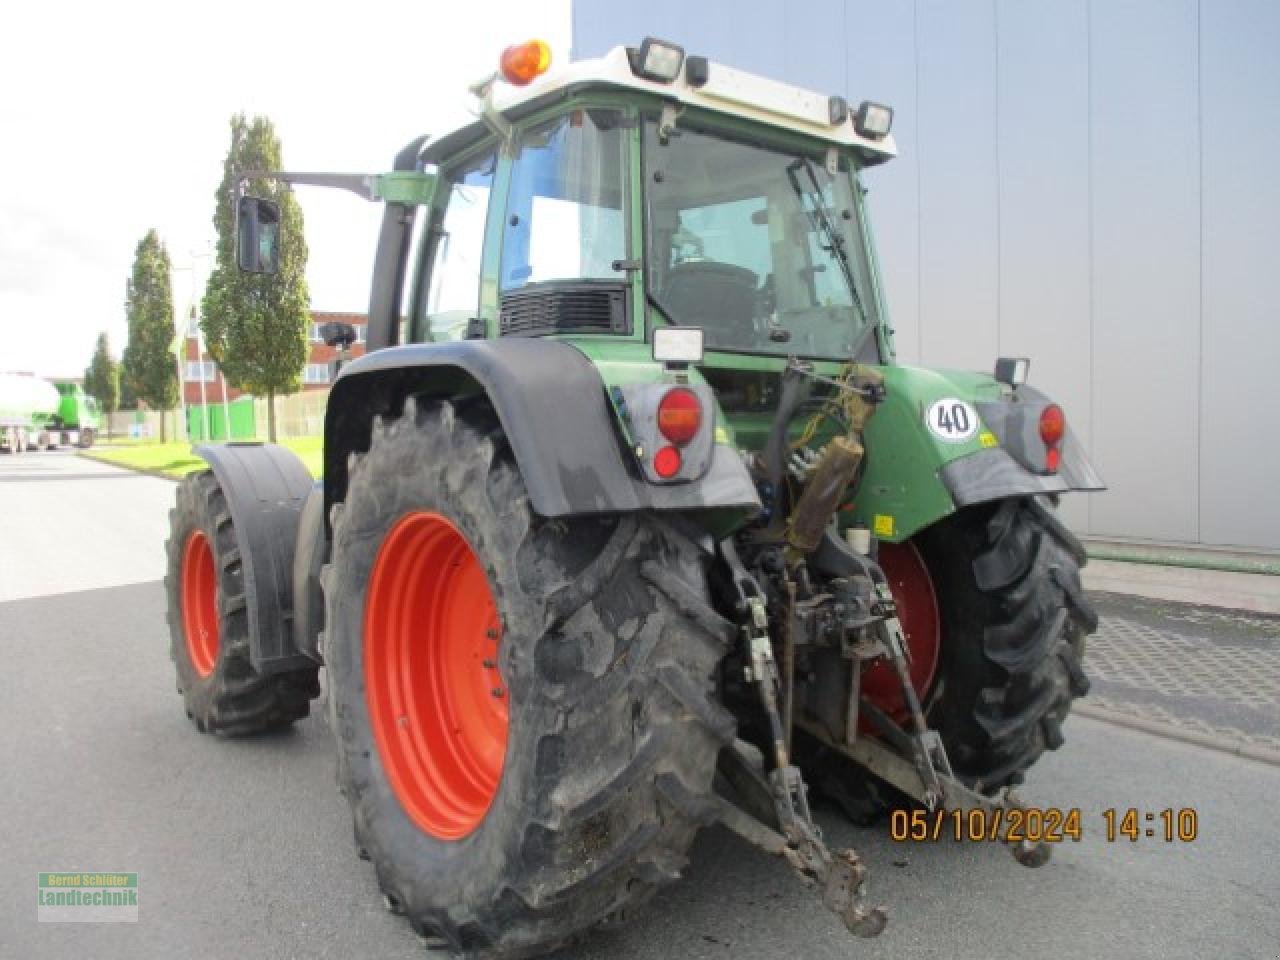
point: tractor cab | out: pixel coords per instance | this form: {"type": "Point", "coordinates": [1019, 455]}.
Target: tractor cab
{"type": "Point", "coordinates": [646, 190]}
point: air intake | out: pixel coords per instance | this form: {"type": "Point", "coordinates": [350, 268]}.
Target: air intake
{"type": "Point", "coordinates": [579, 306]}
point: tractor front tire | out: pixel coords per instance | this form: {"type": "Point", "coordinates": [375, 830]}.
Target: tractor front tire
{"type": "Point", "coordinates": [524, 708]}
{"type": "Point", "coordinates": [209, 623]}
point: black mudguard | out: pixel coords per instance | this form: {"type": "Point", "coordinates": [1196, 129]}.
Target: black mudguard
{"type": "Point", "coordinates": [266, 487]}
{"type": "Point", "coordinates": [309, 557]}
{"type": "Point", "coordinates": [994, 474]}
{"type": "Point", "coordinates": [552, 405]}
{"type": "Point", "coordinates": [1009, 470]}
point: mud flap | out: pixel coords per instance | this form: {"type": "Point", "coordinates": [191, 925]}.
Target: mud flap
{"type": "Point", "coordinates": [266, 487]}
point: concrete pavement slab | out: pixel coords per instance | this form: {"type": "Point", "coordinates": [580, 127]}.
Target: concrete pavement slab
{"type": "Point", "coordinates": [1256, 592]}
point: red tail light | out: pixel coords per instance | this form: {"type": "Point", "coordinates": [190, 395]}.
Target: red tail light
{"type": "Point", "coordinates": [666, 462]}
{"type": "Point", "coordinates": [679, 415]}
{"type": "Point", "coordinates": [1053, 424]}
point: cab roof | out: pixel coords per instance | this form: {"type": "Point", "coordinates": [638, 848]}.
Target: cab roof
{"type": "Point", "coordinates": [726, 90]}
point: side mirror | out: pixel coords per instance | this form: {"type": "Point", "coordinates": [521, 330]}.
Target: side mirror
{"type": "Point", "coordinates": [338, 334]}
{"type": "Point", "coordinates": [257, 235]}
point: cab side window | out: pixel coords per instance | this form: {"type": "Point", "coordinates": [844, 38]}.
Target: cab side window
{"type": "Point", "coordinates": [453, 296]}
{"type": "Point", "coordinates": [564, 212]}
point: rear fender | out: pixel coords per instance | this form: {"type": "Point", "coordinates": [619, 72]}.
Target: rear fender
{"type": "Point", "coordinates": [311, 553]}
{"type": "Point", "coordinates": [554, 411]}
{"type": "Point", "coordinates": [266, 487]}
{"type": "Point", "coordinates": [914, 477]}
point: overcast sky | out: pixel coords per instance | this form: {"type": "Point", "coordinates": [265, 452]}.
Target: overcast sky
{"type": "Point", "coordinates": [114, 119]}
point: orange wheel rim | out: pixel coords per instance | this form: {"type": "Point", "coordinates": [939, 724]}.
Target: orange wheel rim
{"type": "Point", "coordinates": [437, 701]}
{"type": "Point", "coordinates": [917, 604]}
{"type": "Point", "coordinates": [200, 603]}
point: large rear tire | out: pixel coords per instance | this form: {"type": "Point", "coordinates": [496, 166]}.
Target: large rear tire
{"type": "Point", "coordinates": [209, 623]}
{"type": "Point", "coordinates": [524, 710]}
{"type": "Point", "coordinates": [1013, 621]}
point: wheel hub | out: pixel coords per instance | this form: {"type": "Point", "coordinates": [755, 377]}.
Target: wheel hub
{"type": "Point", "coordinates": [200, 603]}
{"type": "Point", "coordinates": [437, 701]}
{"type": "Point", "coordinates": [912, 589]}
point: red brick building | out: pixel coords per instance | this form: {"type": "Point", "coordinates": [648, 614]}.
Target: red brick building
{"type": "Point", "coordinates": [198, 373]}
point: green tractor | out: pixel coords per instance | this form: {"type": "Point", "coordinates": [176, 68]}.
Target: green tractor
{"type": "Point", "coordinates": [630, 522]}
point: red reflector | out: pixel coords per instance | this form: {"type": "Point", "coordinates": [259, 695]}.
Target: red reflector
{"type": "Point", "coordinates": [1053, 424]}
{"type": "Point", "coordinates": [666, 462]}
{"type": "Point", "coordinates": [680, 415]}
{"type": "Point", "coordinates": [521, 63]}
{"type": "Point", "coordinates": [1051, 459]}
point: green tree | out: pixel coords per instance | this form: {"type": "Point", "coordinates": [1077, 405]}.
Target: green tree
{"type": "Point", "coordinates": [102, 379]}
{"type": "Point", "coordinates": [255, 326]}
{"type": "Point", "coordinates": [149, 364]}
{"type": "Point", "coordinates": [127, 400]}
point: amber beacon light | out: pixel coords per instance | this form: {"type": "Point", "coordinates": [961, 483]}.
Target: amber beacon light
{"type": "Point", "coordinates": [523, 62]}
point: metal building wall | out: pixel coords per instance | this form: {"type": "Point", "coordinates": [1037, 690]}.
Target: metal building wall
{"type": "Point", "coordinates": [1093, 184]}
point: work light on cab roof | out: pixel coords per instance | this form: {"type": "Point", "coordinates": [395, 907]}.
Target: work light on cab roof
{"type": "Point", "coordinates": [657, 60]}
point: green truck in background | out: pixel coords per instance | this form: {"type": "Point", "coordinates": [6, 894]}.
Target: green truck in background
{"type": "Point", "coordinates": [79, 417]}
{"type": "Point", "coordinates": [38, 415]}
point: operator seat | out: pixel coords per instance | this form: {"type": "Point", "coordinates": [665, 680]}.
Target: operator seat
{"type": "Point", "coordinates": [720, 297]}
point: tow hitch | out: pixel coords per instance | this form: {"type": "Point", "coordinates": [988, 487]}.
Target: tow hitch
{"type": "Point", "coordinates": [840, 875]}
{"type": "Point", "coordinates": [915, 762]}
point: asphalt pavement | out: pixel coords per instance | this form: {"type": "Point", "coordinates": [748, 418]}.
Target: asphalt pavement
{"type": "Point", "coordinates": [68, 523]}
{"type": "Point", "coordinates": [243, 848]}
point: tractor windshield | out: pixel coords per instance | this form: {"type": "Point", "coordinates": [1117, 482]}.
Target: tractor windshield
{"type": "Point", "coordinates": [760, 247]}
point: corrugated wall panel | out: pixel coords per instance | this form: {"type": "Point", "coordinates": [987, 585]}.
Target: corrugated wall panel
{"type": "Point", "coordinates": [881, 66]}
{"type": "Point", "coordinates": [1240, 406]}
{"type": "Point", "coordinates": [1146, 268]}
{"type": "Point", "coordinates": [751, 34]}
{"type": "Point", "coordinates": [1043, 162]}
{"type": "Point", "coordinates": [813, 46]}
{"type": "Point", "coordinates": [958, 199]}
